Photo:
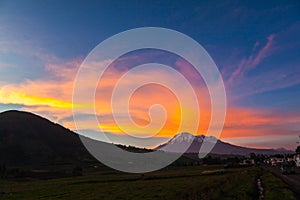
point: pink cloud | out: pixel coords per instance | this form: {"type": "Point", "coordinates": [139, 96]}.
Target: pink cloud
{"type": "Point", "coordinates": [63, 71]}
{"type": "Point", "coordinates": [247, 64]}
{"type": "Point", "coordinates": [264, 51]}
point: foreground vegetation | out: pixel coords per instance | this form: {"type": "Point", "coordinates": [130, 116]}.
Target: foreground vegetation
{"type": "Point", "coordinates": [275, 188]}
{"type": "Point", "coordinates": [195, 182]}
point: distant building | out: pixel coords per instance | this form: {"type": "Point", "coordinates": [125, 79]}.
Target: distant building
{"type": "Point", "coordinates": [297, 160]}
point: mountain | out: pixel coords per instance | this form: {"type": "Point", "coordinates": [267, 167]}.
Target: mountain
{"type": "Point", "coordinates": [28, 139]}
{"type": "Point", "coordinates": [180, 141]}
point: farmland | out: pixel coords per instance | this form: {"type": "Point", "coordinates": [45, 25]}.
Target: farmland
{"type": "Point", "coordinates": [193, 182]}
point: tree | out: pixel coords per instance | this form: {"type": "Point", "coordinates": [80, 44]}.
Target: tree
{"type": "Point", "coordinates": [298, 150]}
{"type": "Point", "coordinates": [253, 156]}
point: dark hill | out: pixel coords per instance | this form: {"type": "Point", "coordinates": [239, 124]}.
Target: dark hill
{"type": "Point", "coordinates": [28, 139]}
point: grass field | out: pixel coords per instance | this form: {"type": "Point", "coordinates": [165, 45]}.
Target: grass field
{"type": "Point", "coordinates": [275, 188]}
{"type": "Point", "coordinates": [198, 182]}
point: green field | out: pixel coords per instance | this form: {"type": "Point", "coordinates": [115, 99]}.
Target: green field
{"type": "Point", "coordinates": [275, 188]}
{"type": "Point", "coordinates": [198, 182]}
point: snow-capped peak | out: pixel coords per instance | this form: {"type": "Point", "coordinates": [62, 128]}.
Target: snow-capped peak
{"type": "Point", "coordinates": [182, 137]}
{"type": "Point", "coordinates": [187, 137]}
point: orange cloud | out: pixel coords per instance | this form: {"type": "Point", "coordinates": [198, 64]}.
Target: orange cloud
{"type": "Point", "coordinates": [148, 95]}
{"type": "Point", "coordinates": [50, 96]}
{"type": "Point", "coordinates": [251, 122]}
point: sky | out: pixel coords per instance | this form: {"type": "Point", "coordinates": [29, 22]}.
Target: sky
{"type": "Point", "coordinates": [255, 45]}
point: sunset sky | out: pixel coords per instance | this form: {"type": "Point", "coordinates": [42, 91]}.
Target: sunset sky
{"type": "Point", "coordinates": [255, 45]}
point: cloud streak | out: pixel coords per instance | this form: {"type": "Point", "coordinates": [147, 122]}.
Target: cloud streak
{"type": "Point", "coordinates": [249, 63]}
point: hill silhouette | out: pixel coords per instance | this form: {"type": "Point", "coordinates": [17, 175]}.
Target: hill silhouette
{"type": "Point", "coordinates": [28, 139]}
